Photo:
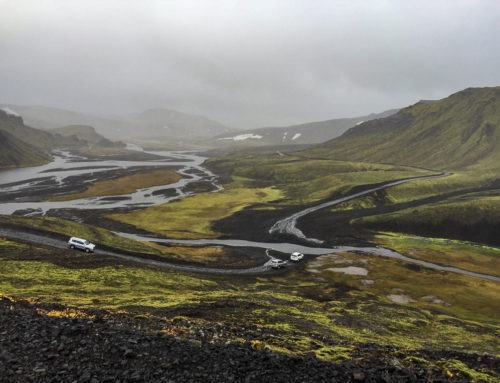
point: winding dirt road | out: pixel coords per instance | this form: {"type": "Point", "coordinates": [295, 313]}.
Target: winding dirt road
{"type": "Point", "coordinates": [288, 225]}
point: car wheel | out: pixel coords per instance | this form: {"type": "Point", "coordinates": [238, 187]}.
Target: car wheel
{"type": "Point", "coordinates": [87, 250]}
{"type": "Point", "coordinates": [72, 247]}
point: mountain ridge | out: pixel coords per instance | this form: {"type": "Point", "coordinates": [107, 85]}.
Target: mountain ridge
{"type": "Point", "coordinates": [306, 133]}
{"type": "Point", "coordinates": [455, 132]}
{"type": "Point", "coordinates": [137, 125]}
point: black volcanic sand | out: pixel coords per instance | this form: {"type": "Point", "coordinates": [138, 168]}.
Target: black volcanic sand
{"type": "Point", "coordinates": [254, 225]}
{"type": "Point", "coordinates": [98, 346]}
{"type": "Point", "coordinates": [335, 228]}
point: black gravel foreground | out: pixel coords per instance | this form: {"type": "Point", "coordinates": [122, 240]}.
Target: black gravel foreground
{"type": "Point", "coordinates": [41, 348]}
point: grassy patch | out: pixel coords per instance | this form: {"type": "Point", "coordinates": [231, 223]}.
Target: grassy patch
{"type": "Point", "coordinates": [125, 185]}
{"type": "Point", "coordinates": [464, 255]}
{"type": "Point", "coordinates": [459, 370]}
{"type": "Point", "coordinates": [471, 298]}
{"type": "Point", "coordinates": [306, 180]}
{"type": "Point", "coordinates": [192, 217]}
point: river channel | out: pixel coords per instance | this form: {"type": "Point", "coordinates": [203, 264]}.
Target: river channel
{"type": "Point", "coordinates": [66, 167]}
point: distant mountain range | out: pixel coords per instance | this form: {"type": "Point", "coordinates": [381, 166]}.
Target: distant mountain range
{"type": "Point", "coordinates": [15, 153]}
{"type": "Point", "coordinates": [163, 124]}
{"type": "Point", "coordinates": [23, 145]}
{"type": "Point", "coordinates": [308, 133]}
{"type": "Point", "coordinates": [455, 132]}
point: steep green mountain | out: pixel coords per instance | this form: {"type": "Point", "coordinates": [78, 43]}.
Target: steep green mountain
{"type": "Point", "coordinates": [453, 133]}
{"type": "Point", "coordinates": [15, 153]}
{"type": "Point", "coordinates": [43, 117]}
{"type": "Point", "coordinates": [308, 133]}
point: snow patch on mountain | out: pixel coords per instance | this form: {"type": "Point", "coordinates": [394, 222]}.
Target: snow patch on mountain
{"type": "Point", "coordinates": [296, 135]}
{"type": "Point", "coordinates": [242, 137]}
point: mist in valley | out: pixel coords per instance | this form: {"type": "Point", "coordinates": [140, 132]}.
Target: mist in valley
{"type": "Point", "coordinates": [242, 64]}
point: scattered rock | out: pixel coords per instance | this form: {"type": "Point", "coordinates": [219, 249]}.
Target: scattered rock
{"type": "Point", "coordinates": [120, 348]}
{"type": "Point", "coordinates": [350, 270]}
{"type": "Point", "coordinates": [367, 282]}
{"type": "Point", "coordinates": [358, 376]}
{"type": "Point", "coordinates": [401, 299]}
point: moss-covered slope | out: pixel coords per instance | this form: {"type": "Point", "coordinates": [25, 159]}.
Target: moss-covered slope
{"type": "Point", "coordinates": [14, 153]}
{"type": "Point", "coordinates": [453, 133]}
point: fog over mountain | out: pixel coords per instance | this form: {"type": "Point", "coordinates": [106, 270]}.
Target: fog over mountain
{"type": "Point", "coordinates": [246, 64]}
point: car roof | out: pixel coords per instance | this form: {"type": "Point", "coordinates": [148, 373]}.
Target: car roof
{"type": "Point", "coordinates": [78, 239]}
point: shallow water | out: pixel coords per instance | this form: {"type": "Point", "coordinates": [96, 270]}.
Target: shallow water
{"type": "Point", "coordinates": [65, 166]}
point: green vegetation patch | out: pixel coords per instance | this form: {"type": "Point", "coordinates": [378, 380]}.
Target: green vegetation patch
{"type": "Point", "coordinates": [464, 255]}
{"type": "Point", "coordinates": [306, 180]}
{"type": "Point", "coordinates": [458, 369]}
{"type": "Point", "coordinates": [462, 130]}
{"type": "Point", "coordinates": [125, 185]}
{"type": "Point", "coordinates": [433, 291]}
{"type": "Point", "coordinates": [192, 216]}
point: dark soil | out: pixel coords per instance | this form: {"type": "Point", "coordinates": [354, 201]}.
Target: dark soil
{"type": "Point", "coordinates": [98, 346]}
{"type": "Point", "coordinates": [336, 228]}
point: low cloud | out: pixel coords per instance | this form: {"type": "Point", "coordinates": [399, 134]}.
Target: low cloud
{"type": "Point", "coordinates": [246, 64]}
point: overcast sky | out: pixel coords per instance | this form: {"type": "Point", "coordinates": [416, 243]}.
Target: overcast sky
{"type": "Point", "coordinates": [245, 63]}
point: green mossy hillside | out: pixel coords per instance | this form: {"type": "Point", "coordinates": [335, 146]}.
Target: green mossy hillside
{"type": "Point", "coordinates": [459, 131]}
{"type": "Point", "coordinates": [16, 153]}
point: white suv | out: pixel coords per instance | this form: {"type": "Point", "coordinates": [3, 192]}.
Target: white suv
{"type": "Point", "coordinates": [277, 263]}
{"type": "Point", "coordinates": [82, 244]}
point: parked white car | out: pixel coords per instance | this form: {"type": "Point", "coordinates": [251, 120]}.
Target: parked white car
{"type": "Point", "coordinates": [277, 263]}
{"type": "Point", "coordinates": [82, 244]}
{"type": "Point", "coordinates": [296, 256]}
